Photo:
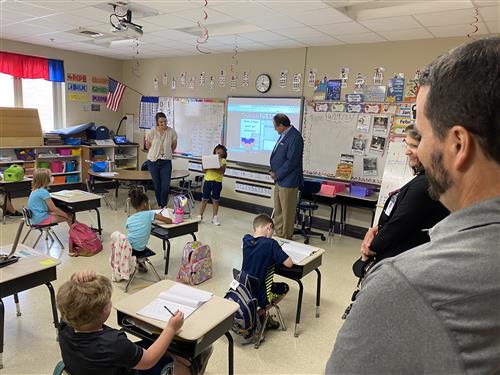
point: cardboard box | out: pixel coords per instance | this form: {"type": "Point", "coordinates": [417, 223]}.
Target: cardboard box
{"type": "Point", "coordinates": [20, 127]}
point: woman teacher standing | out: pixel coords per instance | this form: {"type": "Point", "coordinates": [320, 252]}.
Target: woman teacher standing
{"type": "Point", "coordinates": [161, 142]}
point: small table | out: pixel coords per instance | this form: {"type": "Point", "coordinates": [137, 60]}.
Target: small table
{"type": "Point", "coordinates": [76, 201]}
{"type": "Point", "coordinates": [165, 232]}
{"type": "Point", "coordinates": [297, 272]}
{"type": "Point", "coordinates": [208, 323]}
{"type": "Point", "coordinates": [31, 270]}
{"type": "Point", "coordinates": [135, 176]}
{"type": "Point", "coordinates": [346, 199]}
{"type": "Point", "coordinates": [16, 187]}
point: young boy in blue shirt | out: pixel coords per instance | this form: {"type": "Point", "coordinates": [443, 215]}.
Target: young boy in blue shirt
{"type": "Point", "coordinates": [261, 254]}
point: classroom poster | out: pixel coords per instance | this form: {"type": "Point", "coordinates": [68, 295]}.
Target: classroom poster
{"type": "Point", "coordinates": [359, 83]}
{"type": "Point", "coordinates": [395, 89]}
{"type": "Point", "coordinates": [336, 107]}
{"type": "Point", "coordinates": [333, 89]}
{"type": "Point", "coordinates": [364, 123]}
{"type": "Point", "coordinates": [345, 166]}
{"type": "Point", "coordinates": [78, 97]}
{"type": "Point", "coordinates": [147, 111]}
{"type": "Point", "coordinates": [380, 125]}
{"type": "Point", "coordinates": [297, 78]}
{"type": "Point", "coordinates": [80, 87]}
{"type": "Point", "coordinates": [359, 145]}
{"type": "Point", "coordinates": [398, 127]}
{"type": "Point", "coordinates": [370, 167]}
{"type": "Point", "coordinates": [166, 105]}
{"type": "Point", "coordinates": [99, 99]}
{"type": "Point", "coordinates": [371, 108]}
{"type": "Point", "coordinates": [311, 78]}
{"type": "Point", "coordinates": [378, 75]}
{"type": "Point", "coordinates": [374, 94]}
{"type": "Point", "coordinates": [76, 77]}
{"type": "Point", "coordinates": [377, 144]}
{"type": "Point", "coordinates": [283, 78]}
{"type": "Point", "coordinates": [320, 92]}
{"type": "Point", "coordinates": [344, 76]}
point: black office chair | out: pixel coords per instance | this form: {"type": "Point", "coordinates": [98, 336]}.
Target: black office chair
{"type": "Point", "coordinates": [93, 188]}
{"type": "Point", "coordinates": [305, 208]}
{"type": "Point", "coordinates": [148, 185]}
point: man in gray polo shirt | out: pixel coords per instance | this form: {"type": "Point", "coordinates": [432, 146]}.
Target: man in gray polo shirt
{"type": "Point", "coordinates": [436, 308]}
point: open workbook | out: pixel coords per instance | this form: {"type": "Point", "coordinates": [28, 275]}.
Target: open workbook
{"type": "Point", "coordinates": [297, 251]}
{"type": "Point", "coordinates": [179, 297]}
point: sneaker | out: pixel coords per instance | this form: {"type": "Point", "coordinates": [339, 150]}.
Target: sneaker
{"type": "Point", "coordinates": [200, 218]}
{"type": "Point", "coordinates": [215, 220]}
{"type": "Point", "coordinates": [141, 267]}
{"type": "Point", "coordinates": [199, 364]}
{"type": "Point", "coordinates": [272, 324]}
{"type": "Point", "coordinates": [15, 213]}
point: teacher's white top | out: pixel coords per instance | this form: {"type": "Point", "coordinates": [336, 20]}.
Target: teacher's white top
{"type": "Point", "coordinates": [161, 145]}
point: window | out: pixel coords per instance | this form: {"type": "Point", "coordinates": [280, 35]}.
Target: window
{"type": "Point", "coordinates": [38, 93]}
{"type": "Point", "coordinates": [46, 96]}
{"type": "Point", "coordinates": [7, 91]}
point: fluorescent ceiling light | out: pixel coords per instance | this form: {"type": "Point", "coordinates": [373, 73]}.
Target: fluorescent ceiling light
{"type": "Point", "coordinates": [125, 43]}
{"type": "Point", "coordinates": [408, 8]}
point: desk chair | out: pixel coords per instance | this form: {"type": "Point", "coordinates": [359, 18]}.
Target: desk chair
{"type": "Point", "coordinates": [305, 209]}
{"type": "Point", "coordinates": [148, 185]}
{"type": "Point", "coordinates": [92, 188]}
{"type": "Point", "coordinates": [49, 232]}
{"type": "Point", "coordinates": [142, 256]}
{"type": "Point", "coordinates": [185, 188]}
{"type": "Point", "coordinates": [254, 285]}
{"type": "Point", "coordinates": [60, 369]}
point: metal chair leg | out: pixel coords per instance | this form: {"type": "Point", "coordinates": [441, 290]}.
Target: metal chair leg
{"type": "Point", "coordinates": [107, 201]}
{"type": "Point", "coordinates": [57, 239]}
{"type": "Point", "coordinates": [131, 277]}
{"type": "Point", "coordinates": [26, 236]}
{"type": "Point", "coordinates": [152, 268]}
{"type": "Point", "coordinates": [280, 317]}
{"type": "Point", "coordinates": [38, 239]}
{"type": "Point", "coordinates": [262, 330]}
{"type": "Point", "coordinates": [18, 307]}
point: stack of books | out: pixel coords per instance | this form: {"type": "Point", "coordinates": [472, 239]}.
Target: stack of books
{"type": "Point", "coordinates": [51, 139]}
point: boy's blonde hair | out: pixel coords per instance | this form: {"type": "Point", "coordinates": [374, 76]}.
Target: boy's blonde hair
{"type": "Point", "coordinates": [83, 303]}
{"type": "Point", "coordinates": [41, 178]}
{"type": "Point", "coordinates": [262, 220]}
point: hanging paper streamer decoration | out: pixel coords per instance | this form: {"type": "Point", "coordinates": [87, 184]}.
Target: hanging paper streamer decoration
{"type": "Point", "coordinates": [311, 78]}
{"type": "Point", "coordinates": [135, 58]}
{"type": "Point", "coordinates": [165, 79]}
{"type": "Point", "coordinates": [474, 23]}
{"type": "Point", "coordinates": [378, 75]}
{"type": "Point", "coordinates": [203, 29]}
{"type": "Point", "coordinates": [201, 81]}
{"type": "Point", "coordinates": [183, 79]}
{"type": "Point", "coordinates": [297, 77]}
{"type": "Point", "coordinates": [246, 79]}
{"type": "Point", "coordinates": [283, 78]}
{"type": "Point", "coordinates": [222, 79]}
{"type": "Point", "coordinates": [211, 84]}
{"type": "Point", "coordinates": [344, 76]}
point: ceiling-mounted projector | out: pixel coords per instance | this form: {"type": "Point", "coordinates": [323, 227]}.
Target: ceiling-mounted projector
{"type": "Point", "coordinates": [125, 25]}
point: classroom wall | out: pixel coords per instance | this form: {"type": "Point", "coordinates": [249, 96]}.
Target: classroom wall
{"type": "Point", "coordinates": [75, 62]}
{"type": "Point", "coordinates": [395, 57]}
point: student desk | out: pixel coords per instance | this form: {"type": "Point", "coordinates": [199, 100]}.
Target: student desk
{"type": "Point", "coordinates": [165, 232]}
{"type": "Point", "coordinates": [201, 329]}
{"type": "Point", "coordinates": [31, 270]}
{"type": "Point", "coordinates": [77, 201]}
{"type": "Point", "coordinates": [297, 272]}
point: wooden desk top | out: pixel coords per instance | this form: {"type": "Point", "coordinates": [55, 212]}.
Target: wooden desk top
{"type": "Point", "coordinates": [25, 179]}
{"type": "Point", "coordinates": [318, 253]}
{"type": "Point", "coordinates": [168, 226]}
{"type": "Point", "coordinates": [33, 262]}
{"type": "Point", "coordinates": [74, 196]}
{"type": "Point", "coordinates": [132, 175]}
{"type": "Point", "coordinates": [205, 318]}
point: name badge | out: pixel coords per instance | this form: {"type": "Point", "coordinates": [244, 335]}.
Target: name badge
{"type": "Point", "coordinates": [390, 205]}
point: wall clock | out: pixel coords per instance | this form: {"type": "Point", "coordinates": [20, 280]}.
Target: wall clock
{"type": "Point", "coordinates": [263, 83]}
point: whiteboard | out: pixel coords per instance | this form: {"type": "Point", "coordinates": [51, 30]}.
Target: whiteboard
{"type": "Point", "coordinates": [397, 173]}
{"type": "Point", "coordinates": [328, 134]}
{"type": "Point", "coordinates": [199, 125]}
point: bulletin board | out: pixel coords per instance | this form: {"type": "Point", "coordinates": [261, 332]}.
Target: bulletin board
{"type": "Point", "coordinates": [329, 131]}
{"type": "Point", "coordinates": [199, 124]}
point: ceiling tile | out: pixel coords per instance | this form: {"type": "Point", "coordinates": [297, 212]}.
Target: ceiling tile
{"type": "Point", "coordinates": [452, 17]}
{"type": "Point", "coordinates": [263, 36]}
{"type": "Point", "coordinates": [322, 17]}
{"type": "Point", "coordinates": [173, 35]}
{"type": "Point", "coordinates": [286, 44]}
{"type": "Point", "coordinates": [342, 28]}
{"type": "Point", "coordinates": [25, 8]}
{"type": "Point", "coordinates": [58, 6]}
{"type": "Point", "coordinates": [8, 17]}
{"type": "Point", "coordinates": [361, 38]}
{"type": "Point", "coordinates": [73, 20]}
{"type": "Point", "coordinates": [411, 34]}
{"type": "Point", "coordinates": [170, 21]}
{"type": "Point", "coordinates": [276, 22]}
{"type": "Point", "coordinates": [20, 30]}
{"type": "Point", "coordinates": [456, 30]}
{"type": "Point", "coordinates": [490, 13]}
{"type": "Point", "coordinates": [295, 7]}
{"type": "Point", "coordinates": [494, 27]}
{"type": "Point", "coordinates": [48, 24]}
{"type": "Point", "coordinates": [196, 15]}
{"type": "Point", "coordinates": [485, 3]}
{"type": "Point", "coordinates": [65, 37]}
{"type": "Point", "coordinates": [320, 41]}
{"type": "Point", "coordinates": [241, 10]}
{"type": "Point", "coordinates": [391, 23]}
{"type": "Point", "coordinates": [300, 32]}
{"type": "Point", "coordinates": [97, 15]}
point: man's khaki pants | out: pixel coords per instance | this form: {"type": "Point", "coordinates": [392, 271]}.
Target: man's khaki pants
{"type": "Point", "coordinates": [285, 208]}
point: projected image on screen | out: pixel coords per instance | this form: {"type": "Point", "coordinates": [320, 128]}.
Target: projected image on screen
{"type": "Point", "coordinates": [250, 134]}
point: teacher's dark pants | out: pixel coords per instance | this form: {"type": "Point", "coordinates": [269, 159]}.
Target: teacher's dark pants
{"type": "Point", "coordinates": [161, 172]}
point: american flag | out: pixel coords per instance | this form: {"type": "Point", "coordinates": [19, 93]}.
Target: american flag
{"type": "Point", "coordinates": [115, 93]}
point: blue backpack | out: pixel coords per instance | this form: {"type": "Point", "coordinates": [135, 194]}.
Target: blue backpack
{"type": "Point", "coordinates": [246, 322]}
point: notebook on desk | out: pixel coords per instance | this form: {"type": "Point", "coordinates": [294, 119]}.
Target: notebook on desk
{"type": "Point", "coordinates": [6, 259]}
{"type": "Point", "coordinates": [179, 297]}
{"type": "Point", "coordinates": [297, 251]}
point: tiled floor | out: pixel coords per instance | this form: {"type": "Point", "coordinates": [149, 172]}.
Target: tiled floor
{"type": "Point", "coordinates": [30, 340]}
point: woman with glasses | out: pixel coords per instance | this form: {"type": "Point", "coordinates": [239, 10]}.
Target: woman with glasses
{"type": "Point", "coordinates": [407, 216]}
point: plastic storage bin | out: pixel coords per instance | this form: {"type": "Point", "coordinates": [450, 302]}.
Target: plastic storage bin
{"type": "Point", "coordinates": [57, 167]}
{"type": "Point", "coordinates": [64, 151]}
{"type": "Point", "coordinates": [331, 187]}
{"type": "Point", "coordinates": [72, 179]}
{"type": "Point", "coordinates": [361, 191]}
{"type": "Point", "coordinates": [76, 151]}
{"type": "Point", "coordinates": [59, 180]}
{"type": "Point", "coordinates": [71, 166]}
{"type": "Point", "coordinates": [43, 164]}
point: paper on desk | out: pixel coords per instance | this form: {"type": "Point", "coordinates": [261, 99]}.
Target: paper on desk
{"type": "Point", "coordinates": [69, 193]}
{"type": "Point", "coordinates": [166, 212]}
{"type": "Point", "coordinates": [296, 251]}
{"type": "Point", "coordinates": [108, 174]}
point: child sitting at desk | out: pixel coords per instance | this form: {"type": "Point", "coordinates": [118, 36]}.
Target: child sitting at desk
{"type": "Point", "coordinates": [43, 210]}
{"type": "Point", "coordinates": [261, 254]}
{"type": "Point", "coordinates": [90, 347]}
{"type": "Point", "coordinates": [139, 224]}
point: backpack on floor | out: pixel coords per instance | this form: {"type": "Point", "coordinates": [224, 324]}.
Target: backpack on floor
{"type": "Point", "coordinates": [246, 322]}
{"type": "Point", "coordinates": [83, 240]}
{"type": "Point", "coordinates": [196, 264]}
